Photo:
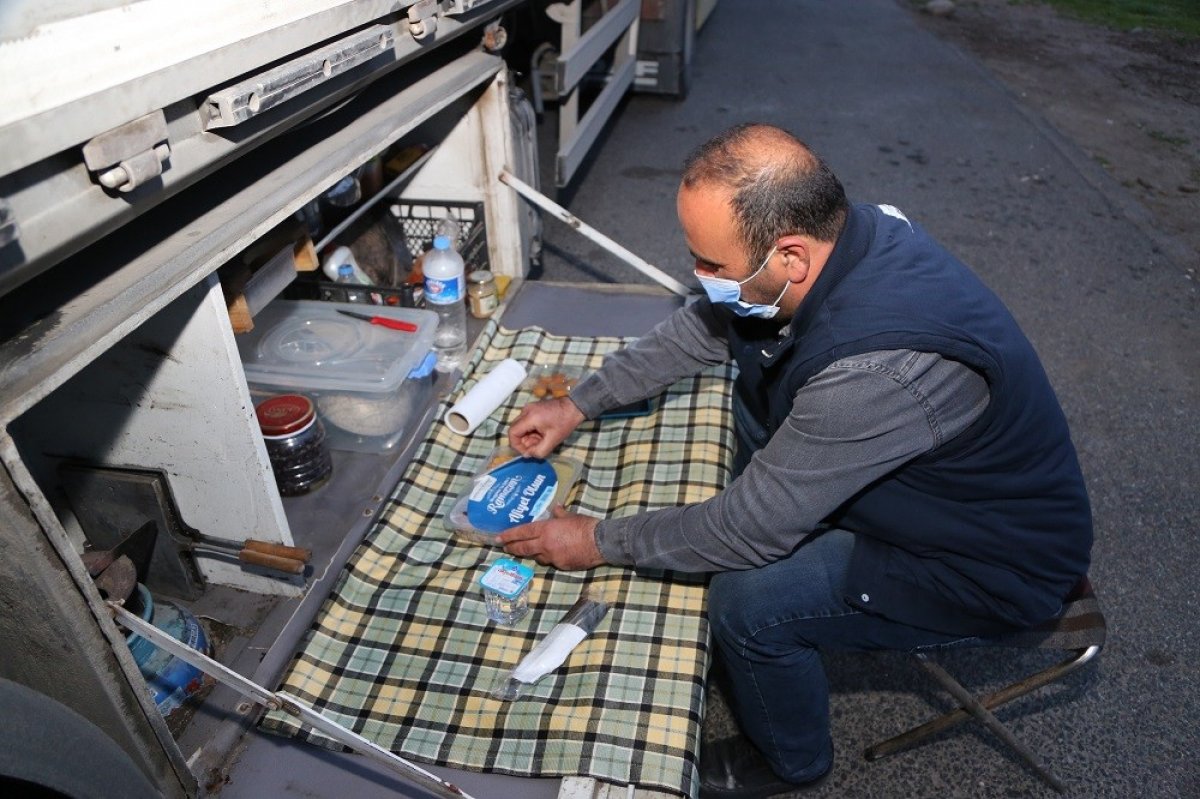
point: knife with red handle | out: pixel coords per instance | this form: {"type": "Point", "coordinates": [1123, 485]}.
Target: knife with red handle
{"type": "Point", "coordinates": [383, 321]}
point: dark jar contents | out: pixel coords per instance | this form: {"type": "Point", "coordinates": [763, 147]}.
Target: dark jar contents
{"type": "Point", "coordinates": [295, 442]}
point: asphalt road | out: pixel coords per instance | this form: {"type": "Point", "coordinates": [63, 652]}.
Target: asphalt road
{"type": "Point", "coordinates": [907, 119]}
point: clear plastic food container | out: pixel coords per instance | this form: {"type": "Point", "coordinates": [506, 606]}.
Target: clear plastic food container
{"type": "Point", "coordinates": [510, 490]}
{"type": "Point", "coordinates": [550, 381]}
{"type": "Point", "coordinates": [356, 372]}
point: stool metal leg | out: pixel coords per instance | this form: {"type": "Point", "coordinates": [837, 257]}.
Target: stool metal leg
{"type": "Point", "coordinates": [991, 701]}
{"type": "Point", "coordinates": [989, 720]}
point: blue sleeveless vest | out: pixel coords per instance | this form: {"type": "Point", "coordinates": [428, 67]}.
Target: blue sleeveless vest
{"type": "Point", "coordinates": [990, 530]}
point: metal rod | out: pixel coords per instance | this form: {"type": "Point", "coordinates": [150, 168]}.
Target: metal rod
{"type": "Point", "coordinates": [290, 705]}
{"type": "Point", "coordinates": [546, 204]}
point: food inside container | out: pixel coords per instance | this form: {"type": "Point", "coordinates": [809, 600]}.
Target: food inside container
{"type": "Point", "coordinates": [364, 378]}
{"type": "Point", "coordinates": [510, 490]}
{"type": "Point", "coordinates": [550, 381]}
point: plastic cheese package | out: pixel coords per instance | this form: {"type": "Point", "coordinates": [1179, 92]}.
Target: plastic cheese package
{"type": "Point", "coordinates": [511, 490]}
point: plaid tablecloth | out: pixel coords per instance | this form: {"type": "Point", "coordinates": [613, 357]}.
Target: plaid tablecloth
{"type": "Point", "coordinates": [403, 653]}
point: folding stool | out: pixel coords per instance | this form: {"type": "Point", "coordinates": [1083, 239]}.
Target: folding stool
{"type": "Point", "coordinates": [1080, 628]}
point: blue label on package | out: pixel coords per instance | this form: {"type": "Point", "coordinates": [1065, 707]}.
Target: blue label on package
{"type": "Point", "coordinates": [511, 494]}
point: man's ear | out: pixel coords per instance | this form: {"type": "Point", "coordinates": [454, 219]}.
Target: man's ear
{"type": "Point", "coordinates": [797, 257]}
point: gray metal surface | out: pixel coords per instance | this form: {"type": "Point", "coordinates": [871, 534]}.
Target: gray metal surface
{"type": "Point", "coordinates": [907, 119]}
{"type": "Point", "coordinates": [111, 504]}
{"type": "Point", "coordinates": [275, 767]}
{"type": "Point", "coordinates": [140, 272]}
{"type": "Point", "coordinates": [61, 207]}
{"type": "Point", "coordinates": [582, 309]}
{"type": "Point", "coordinates": [53, 645]}
{"type": "Point", "coordinates": [666, 40]}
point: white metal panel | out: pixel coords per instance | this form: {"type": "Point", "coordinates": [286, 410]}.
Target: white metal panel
{"type": "Point", "coordinates": [171, 396]}
{"type": "Point", "coordinates": [64, 59]}
{"type": "Point", "coordinates": [506, 241]}
{"type": "Point", "coordinates": [467, 167]}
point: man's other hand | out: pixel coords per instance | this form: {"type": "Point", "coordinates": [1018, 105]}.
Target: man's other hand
{"type": "Point", "coordinates": [544, 425]}
{"type": "Point", "coordinates": [565, 541]}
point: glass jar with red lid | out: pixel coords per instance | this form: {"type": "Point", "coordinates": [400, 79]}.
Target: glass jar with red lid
{"type": "Point", "coordinates": [295, 442]}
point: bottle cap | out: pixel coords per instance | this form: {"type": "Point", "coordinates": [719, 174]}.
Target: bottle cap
{"type": "Point", "coordinates": [479, 276]}
{"type": "Point", "coordinates": [345, 269]}
{"type": "Point", "coordinates": [284, 414]}
{"type": "Point", "coordinates": [441, 242]}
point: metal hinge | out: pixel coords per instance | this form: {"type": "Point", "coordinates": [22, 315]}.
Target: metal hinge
{"type": "Point", "coordinates": [129, 156]}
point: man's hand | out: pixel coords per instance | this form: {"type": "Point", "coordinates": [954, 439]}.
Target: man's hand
{"type": "Point", "coordinates": [566, 541]}
{"type": "Point", "coordinates": [544, 425]}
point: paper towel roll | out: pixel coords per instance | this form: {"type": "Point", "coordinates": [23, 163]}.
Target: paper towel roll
{"type": "Point", "coordinates": [487, 395]}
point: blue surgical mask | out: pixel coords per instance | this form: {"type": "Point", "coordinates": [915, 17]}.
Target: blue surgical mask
{"type": "Point", "coordinates": [723, 291]}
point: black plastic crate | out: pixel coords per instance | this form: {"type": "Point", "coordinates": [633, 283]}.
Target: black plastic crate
{"type": "Point", "coordinates": [420, 217]}
{"type": "Point", "coordinates": [418, 220]}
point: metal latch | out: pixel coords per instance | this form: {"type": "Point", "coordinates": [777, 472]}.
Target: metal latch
{"type": "Point", "coordinates": [126, 157]}
{"type": "Point", "coordinates": [422, 18]}
{"type": "Point", "coordinates": [248, 98]}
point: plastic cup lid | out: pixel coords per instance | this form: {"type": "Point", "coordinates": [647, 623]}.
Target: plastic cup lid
{"type": "Point", "coordinates": [507, 577]}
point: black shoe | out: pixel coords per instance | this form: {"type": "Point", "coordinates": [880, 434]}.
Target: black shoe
{"type": "Point", "coordinates": [733, 769]}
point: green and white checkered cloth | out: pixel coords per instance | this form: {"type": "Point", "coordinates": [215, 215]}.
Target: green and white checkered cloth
{"type": "Point", "coordinates": [403, 653]}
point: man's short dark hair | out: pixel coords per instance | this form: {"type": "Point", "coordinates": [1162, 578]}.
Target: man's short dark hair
{"type": "Point", "coordinates": [779, 185]}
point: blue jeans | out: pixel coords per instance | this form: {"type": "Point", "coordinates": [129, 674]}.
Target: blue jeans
{"type": "Point", "coordinates": [769, 625]}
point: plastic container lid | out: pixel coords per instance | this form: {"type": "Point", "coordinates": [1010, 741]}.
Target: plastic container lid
{"type": "Point", "coordinates": [510, 490]}
{"type": "Point", "coordinates": [507, 577]}
{"type": "Point", "coordinates": [284, 414]}
{"type": "Point", "coordinates": [517, 492]}
{"type": "Point", "coordinates": [307, 344]}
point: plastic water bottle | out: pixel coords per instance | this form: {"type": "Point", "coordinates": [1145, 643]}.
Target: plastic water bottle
{"type": "Point", "coordinates": [346, 275]}
{"type": "Point", "coordinates": [341, 256]}
{"type": "Point", "coordinates": [445, 290]}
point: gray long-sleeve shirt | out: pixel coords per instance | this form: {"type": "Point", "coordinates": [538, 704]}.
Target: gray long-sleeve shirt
{"type": "Point", "coordinates": [857, 420]}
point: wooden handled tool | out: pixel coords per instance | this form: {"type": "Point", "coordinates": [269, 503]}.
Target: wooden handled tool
{"type": "Point", "coordinates": [279, 557]}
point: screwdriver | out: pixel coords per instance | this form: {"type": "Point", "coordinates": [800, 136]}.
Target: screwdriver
{"type": "Point", "coordinates": [394, 324]}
